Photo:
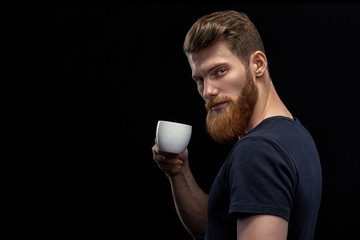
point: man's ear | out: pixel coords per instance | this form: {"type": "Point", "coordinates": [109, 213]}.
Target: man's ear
{"type": "Point", "coordinates": [258, 63]}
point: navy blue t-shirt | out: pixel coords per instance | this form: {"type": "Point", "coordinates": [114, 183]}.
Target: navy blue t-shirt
{"type": "Point", "coordinates": [274, 170]}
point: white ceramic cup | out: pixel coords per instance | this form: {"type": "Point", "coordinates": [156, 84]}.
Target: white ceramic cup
{"type": "Point", "coordinates": [173, 137]}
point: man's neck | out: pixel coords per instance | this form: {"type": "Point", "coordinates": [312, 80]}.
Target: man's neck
{"type": "Point", "coordinates": [268, 105]}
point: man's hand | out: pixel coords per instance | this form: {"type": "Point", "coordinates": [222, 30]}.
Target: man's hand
{"type": "Point", "coordinates": [170, 163]}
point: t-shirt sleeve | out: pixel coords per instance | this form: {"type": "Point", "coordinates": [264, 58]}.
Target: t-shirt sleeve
{"type": "Point", "coordinates": [261, 179]}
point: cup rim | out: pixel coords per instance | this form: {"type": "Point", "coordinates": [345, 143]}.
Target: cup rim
{"type": "Point", "coordinates": [176, 123]}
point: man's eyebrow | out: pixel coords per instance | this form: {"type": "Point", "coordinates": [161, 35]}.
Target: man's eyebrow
{"type": "Point", "coordinates": [217, 65]}
{"type": "Point", "coordinates": [211, 68]}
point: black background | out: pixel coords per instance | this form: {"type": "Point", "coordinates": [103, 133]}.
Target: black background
{"type": "Point", "coordinates": [119, 68]}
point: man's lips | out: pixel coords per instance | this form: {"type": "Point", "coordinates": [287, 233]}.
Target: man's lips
{"type": "Point", "coordinates": [219, 106]}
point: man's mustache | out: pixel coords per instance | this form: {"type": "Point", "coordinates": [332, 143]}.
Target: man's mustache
{"type": "Point", "coordinates": [215, 101]}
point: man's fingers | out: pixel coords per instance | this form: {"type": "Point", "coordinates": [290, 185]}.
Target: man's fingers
{"type": "Point", "coordinates": [169, 155]}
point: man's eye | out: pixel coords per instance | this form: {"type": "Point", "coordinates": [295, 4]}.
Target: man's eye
{"type": "Point", "coordinates": [199, 80]}
{"type": "Point", "coordinates": [221, 71]}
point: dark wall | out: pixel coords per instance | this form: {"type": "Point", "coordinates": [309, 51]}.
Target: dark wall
{"type": "Point", "coordinates": [119, 68]}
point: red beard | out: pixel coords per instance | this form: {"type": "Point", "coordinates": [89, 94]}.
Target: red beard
{"type": "Point", "coordinates": [232, 121]}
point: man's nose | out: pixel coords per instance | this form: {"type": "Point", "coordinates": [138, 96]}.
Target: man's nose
{"type": "Point", "coordinates": [210, 90]}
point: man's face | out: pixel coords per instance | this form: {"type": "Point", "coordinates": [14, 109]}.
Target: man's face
{"type": "Point", "coordinates": [229, 92]}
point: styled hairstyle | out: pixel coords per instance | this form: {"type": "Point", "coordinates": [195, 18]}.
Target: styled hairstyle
{"type": "Point", "coordinates": [234, 27]}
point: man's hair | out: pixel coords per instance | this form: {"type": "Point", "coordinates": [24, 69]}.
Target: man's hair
{"type": "Point", "coordinates": [235, 28]}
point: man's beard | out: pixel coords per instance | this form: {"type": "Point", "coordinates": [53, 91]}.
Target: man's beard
{"type": "Point", "coordinates": [227, 124]}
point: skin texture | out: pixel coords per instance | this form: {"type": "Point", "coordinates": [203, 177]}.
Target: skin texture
{"type": "Point", "coordinates": [220, 74]}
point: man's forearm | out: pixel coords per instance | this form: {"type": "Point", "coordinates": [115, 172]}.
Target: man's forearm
{"type": "Point", "coordinates": [190, 202]}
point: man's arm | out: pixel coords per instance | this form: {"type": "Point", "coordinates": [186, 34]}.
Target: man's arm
{"type": "Point", "coordinates": [262, 227]}
{"type": "Point", "coordinates": [190, 201]}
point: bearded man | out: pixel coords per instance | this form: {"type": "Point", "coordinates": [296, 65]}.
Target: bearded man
{"type": "Point", "coordinates": [269, 187]}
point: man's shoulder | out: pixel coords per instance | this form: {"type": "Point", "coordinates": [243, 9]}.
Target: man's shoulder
{"type": "Point", "coordinates": [277, 140]}
{"type": "Point", "coordinates": [278, 132]}
{"type": "Point", "coordinates": [270, 140]}
{"type": "Point", "coordinates": [275, 126]}
{"type": "Point", "coordinates": [254, 144]}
